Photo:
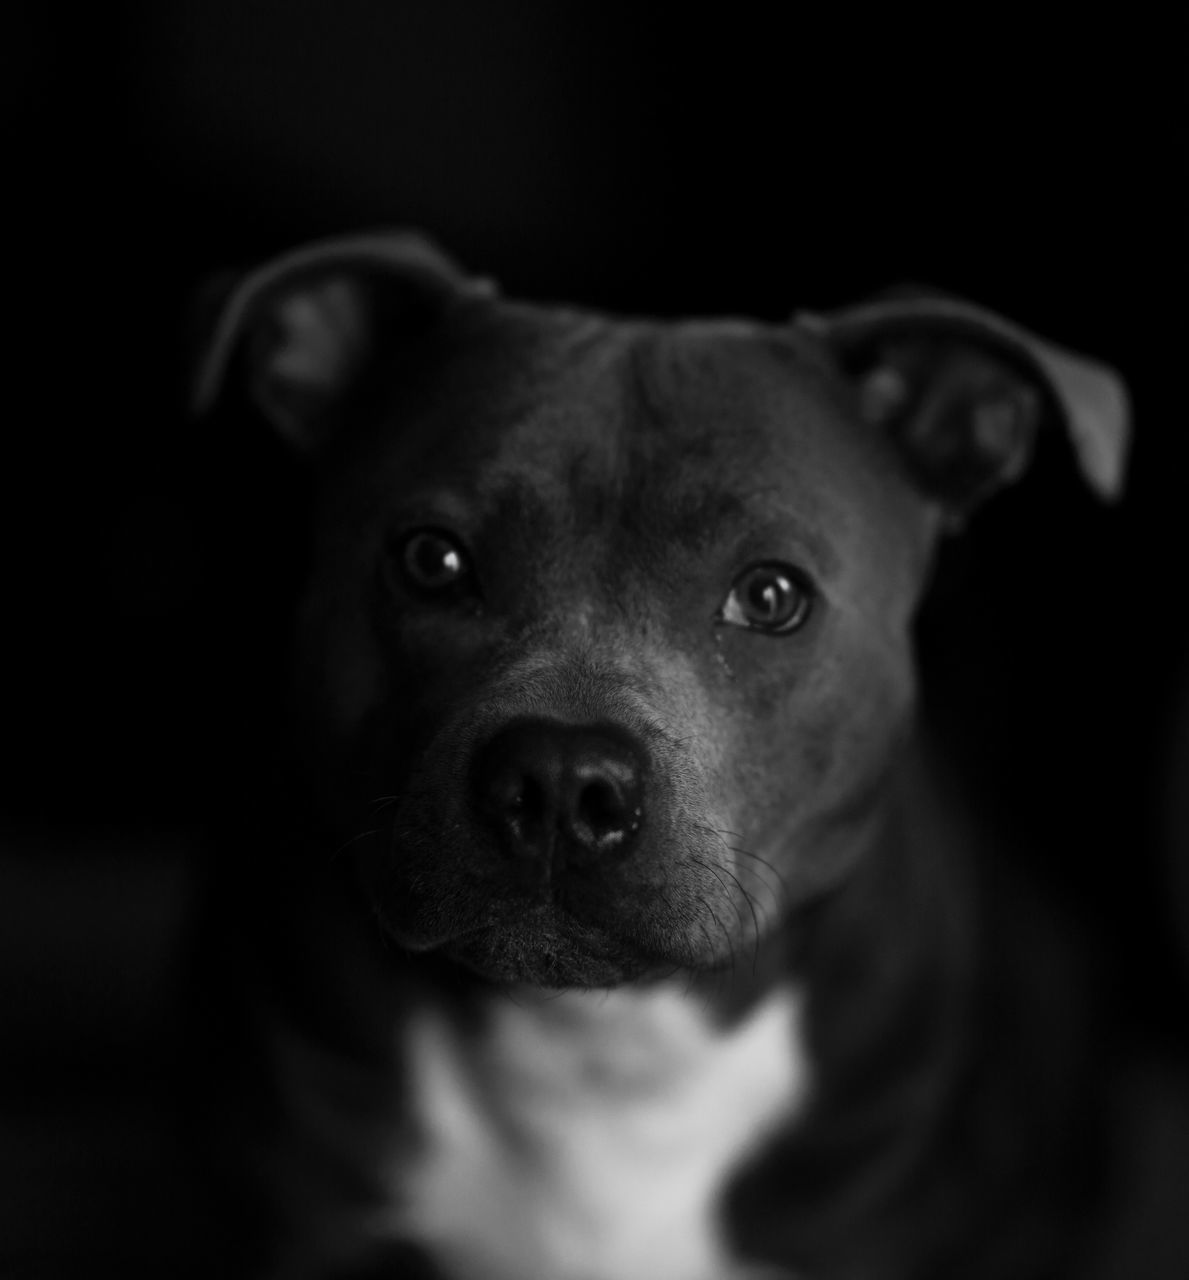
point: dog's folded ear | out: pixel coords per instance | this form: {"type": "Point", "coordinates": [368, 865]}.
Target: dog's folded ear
{"type": "Point", "coordinates": [305, 323]}
{"type": "Point", "coordinates": [963, 390]}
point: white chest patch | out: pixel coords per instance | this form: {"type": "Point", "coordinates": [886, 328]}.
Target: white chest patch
{"type": "Point", "coordinates": [586, 1136]}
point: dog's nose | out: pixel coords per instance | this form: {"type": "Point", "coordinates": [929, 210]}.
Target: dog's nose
{"type": "Point", "coordinates": [558, 791]}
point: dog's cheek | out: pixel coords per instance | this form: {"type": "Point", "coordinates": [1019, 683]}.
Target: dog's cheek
{"type": "Point", "coordinates": [812, 734]}
{"type": "Point", "coordinates": [852, 744]}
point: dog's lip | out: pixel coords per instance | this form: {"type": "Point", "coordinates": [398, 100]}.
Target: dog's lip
{"type": "Point", "coordinates": [542, 952]}
{"type": "Point", "coordinates": [542, 928]}
{"type": "Point", "coordinates": [419, 942]}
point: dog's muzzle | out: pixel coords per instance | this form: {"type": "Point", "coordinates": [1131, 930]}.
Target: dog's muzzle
{"type": "Point", "coordinates": [559, 795]}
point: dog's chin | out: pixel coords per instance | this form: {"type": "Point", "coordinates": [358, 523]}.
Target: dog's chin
{"type": "Point", "coordinates": [540, 947]}
{"type": "Point", "coordinates": [522, 957]}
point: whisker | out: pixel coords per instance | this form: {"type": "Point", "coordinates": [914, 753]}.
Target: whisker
{"type": "Point", "coordinates": [755, 919]}
{"type": "Point", "coordinates": [780, 880]}
{"type": "Point", "coordinates": [725, 933]}
{"type": "Point", "coordinates": [779, 893]}
{"type": "Point", "coordinates": [706, 866]}
{"type": "Point", "coordinates": [710, 951]}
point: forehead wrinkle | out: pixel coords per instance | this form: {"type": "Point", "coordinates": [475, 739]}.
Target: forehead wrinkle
{"type": "Point", "coordinates": [701, 518]}
{"type": "Point", "coordinates": [712, 516]}
{"type": "Point", "coordinates": [559, 479]}
{"type": "Point", "coordinates": [655, 506]}
{"type": "Point", "coordinates": [563, 431]}
{"type": "Point", "coordinates": [699, 459]}
{"type": "Point", "coordinates": [641, 401]}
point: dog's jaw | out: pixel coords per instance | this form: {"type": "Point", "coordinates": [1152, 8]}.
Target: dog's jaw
{"type": "Point", "coordinates": [588, 1134]}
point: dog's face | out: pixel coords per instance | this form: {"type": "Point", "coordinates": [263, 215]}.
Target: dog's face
{"type": "Point", "coordinates": [608, 642]}
{"type": "Point", "coordinates": [604, 659]}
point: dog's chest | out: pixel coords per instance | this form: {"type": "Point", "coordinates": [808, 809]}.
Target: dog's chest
{"type": "Point", "coordinates": [587, 1136]}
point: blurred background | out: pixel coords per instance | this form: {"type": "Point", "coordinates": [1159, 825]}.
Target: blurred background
{"type": "Point", "coordinates": [718, 159]}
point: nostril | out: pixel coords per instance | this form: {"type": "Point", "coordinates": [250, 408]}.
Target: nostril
{"type": "Point", "coordinates": [607, 808]}
{"type": "Point", "coordinates": [519, 794]}
{"type": "Point", "coordinates": [599, 805]}
{"type": "Point", "coordinates": [520, 804]}
{"type": "Point", "coordinates": [603, 808]}
{"type": "Point", "coordinates": [535, 807]}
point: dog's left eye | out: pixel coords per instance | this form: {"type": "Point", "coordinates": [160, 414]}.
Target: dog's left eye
{"type": "Point", "coordinates": [431, 561]}
{"type": "Point", "coordinates": [770, 597]}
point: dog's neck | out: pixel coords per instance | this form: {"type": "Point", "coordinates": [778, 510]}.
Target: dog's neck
{"type": "Point", "coordinates": [588, 1133]}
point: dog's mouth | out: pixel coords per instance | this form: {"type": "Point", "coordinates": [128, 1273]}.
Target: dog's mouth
{"type": "Point", "coordinates": [562, 854]}
{"type": "Point", "coordinates": [569, 935]}
{"type": "Point", "coordinates": [665, 910]}
{"type": "Point", "coordinates": [543, 948]}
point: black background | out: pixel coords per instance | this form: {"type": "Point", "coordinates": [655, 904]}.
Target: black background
{"type": "Point", "coordinates": [695, 160]}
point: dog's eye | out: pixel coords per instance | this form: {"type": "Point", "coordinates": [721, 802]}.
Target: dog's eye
{"type": "Point", "coordinates": [431, 561]}
{"type": "Point", "coordinates": [769, 597]}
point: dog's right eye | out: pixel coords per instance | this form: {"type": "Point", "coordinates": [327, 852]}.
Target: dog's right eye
{"type": "Point", "coordinates": [430, 562]}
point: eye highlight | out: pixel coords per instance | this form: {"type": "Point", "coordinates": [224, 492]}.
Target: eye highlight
{"type": "Point", "coordinates": [430, 562]}
{"type": "Point", "coordinates": [771, 597]}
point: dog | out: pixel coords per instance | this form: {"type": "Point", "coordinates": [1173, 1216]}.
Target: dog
{"type": "Point", "coordinates": [618, 924]}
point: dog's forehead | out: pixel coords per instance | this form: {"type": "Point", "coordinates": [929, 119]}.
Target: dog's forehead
{"type": "Point", "coordinates": [700, 426]}
{"type": "Point", "coordinates": [621, 394]}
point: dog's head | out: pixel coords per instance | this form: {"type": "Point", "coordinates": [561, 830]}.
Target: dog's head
{"type": "Point", "coordinates": [605, 650]}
